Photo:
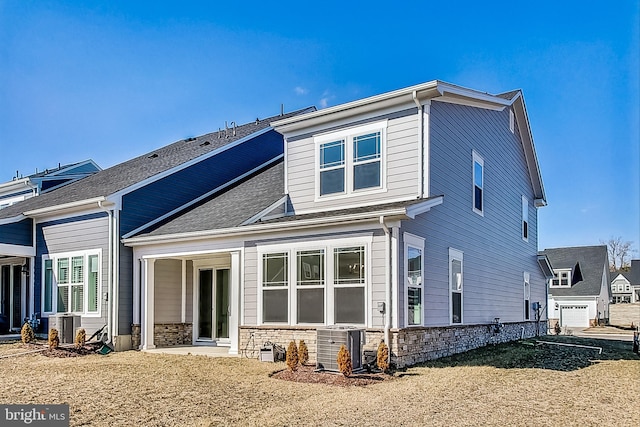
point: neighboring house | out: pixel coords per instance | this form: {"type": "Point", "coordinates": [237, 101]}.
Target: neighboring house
{"type": "Point", "coordinates": [579, 292]}
{"type": "Point", "coordinates": [20, 188]}
{"type": "Point", "coordinates": [411, 214]}
{"type": "Point", "coordinates": [61, 252]}
{"type": "Point", "coordinates": [13, 270]}
{"type": "Point", "coordinates": [625, 285]}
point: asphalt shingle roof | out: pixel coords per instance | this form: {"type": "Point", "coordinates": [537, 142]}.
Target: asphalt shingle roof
{"type": "Point", "coordinates": [229, 208]}
{"type": "Point", "coordinates": [592, 261]}
{"type": "Point", "coordinates": [123, 175]}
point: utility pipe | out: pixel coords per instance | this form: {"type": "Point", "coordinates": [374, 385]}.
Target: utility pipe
{"type": "Point", "coordinates": [387, 291]}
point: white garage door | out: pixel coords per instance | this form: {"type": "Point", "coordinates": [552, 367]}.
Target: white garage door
{"type": "Point", "coordinates": [574, 315]}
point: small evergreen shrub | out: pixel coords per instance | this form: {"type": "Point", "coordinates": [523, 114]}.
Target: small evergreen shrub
{"type": "Point", "coordinates": [292, 356]}
{"type": "Point", "coordinates": [54, 340]}
{"type": "Point", "coordinates": [382, 357]}
{"type": "Point", "coordinates": [557, 329]}
{"type": "Point", "coordinates": [27, 334]}
{"type": "Point", "coordinates": [344, 361]}
{"type": "Point", "coordinates": [81, 338]}
{"type": "Point", "coordinates": [303, 353]}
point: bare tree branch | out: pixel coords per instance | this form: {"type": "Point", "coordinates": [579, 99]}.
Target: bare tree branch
{"type": "Point", "coordinates": [619, 253]}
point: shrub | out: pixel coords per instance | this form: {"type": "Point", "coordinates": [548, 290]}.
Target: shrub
{"type": "Point", "coordinates": [54, 341]}
{"type": "Point", "coordinates": [81, 338]}
{"type": "Point", "coordinates": [382, 357]}
{"type": "Point", "coordinates": [27, 333]}
{"type": "Point", "coordinates": [557, 329]}
{"type": "Point", "coordinates": [344, 361]}
{"type": "Point", "coordinates": [292, 356]}
{"type": "Point", "coordinates": [303, 353]}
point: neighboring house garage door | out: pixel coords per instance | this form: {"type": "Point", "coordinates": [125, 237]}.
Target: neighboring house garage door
{"type": "Point", "coordinates": [574, 315]}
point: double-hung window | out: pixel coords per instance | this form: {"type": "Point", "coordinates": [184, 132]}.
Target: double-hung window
{"type": "Point", "coordinates": [561, 278]}
{"type": "Point", "coordinates": [349, 285]}
{"type": "Point", "coordinates": [325, 284]}
{"type": "Point", "coordinates": [527, 297]}
{"type": "Point", "coordinates": [525, 219]}
{"type": "Point", "coordinates": [414, 273]}
{"type": "Point", "coordinates": [310, 286]}
{"type": "Point", "coordinates": [332, 167]}
{"type": "Point", "coordinates": [275, 287]}
{"type": "Point", "coordinates": [478, 184]}
{"type": "Point", "coordinates": [351, 160]}
{"type": "Point", "coordinates": [71, 283]}
{"type": "Point", "coordinates": [456, 285]}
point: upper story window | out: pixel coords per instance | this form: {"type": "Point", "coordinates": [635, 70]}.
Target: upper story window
{"type": "Point", "coordinates": [561, 278]}
{"type": "Point", "coordinates": [525, 218]}
{"type": "Point", "coordinates": [351, 160]}
{"type": "Point", "coordinates": [478, 184]}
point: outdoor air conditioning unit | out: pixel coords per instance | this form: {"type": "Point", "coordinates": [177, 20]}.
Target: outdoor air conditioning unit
{"type": "Point", "coordinates": [330, 338]}
{"type": "Point", "coordinates": [67, 326]}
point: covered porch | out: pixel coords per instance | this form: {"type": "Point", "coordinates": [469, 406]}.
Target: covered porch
{"type": "Point", "coordinates": [16, 291]}
{"type": "Point", "coordinates": [188, 303]}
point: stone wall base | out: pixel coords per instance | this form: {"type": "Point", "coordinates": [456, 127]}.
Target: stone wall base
{"type": "Point", "coordinates": [135, 336]}
{"type": "Point", "coordinates": [409, 346]}
{"type": "Point", "coordinates": [168, 334]}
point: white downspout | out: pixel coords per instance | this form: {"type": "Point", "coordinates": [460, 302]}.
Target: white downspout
{"type": "Point", "coordinates": [116, 278]}
{"type": "Point", "coordinates": [109, 271]}
{"type": "Point", "coordinates": [387, 288]}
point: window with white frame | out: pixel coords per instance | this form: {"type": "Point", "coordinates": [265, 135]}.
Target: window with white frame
{"type": "Point", "coordinates": [317, 288]}
{"type": "Point", "coordinates": [512, 121]}
{"type": "Point", "coordinates": [525, 219]}
{"type": "Point", "coordinates": [349, 285]}
{"type": "Point", "coordinates": [414, 273]}
{"type": "Point", "coordinates": [478, 184]}
{"type": "Point", "coordinates": [351, 160]}
{"type": "Point", "coordinates": [71, 283]}
{"type": "Point", "coordinates": [527, 297]}
{"type": "Point", "coordinates": [310, 286]}
{"type": "Point", "coordinates": [456, 285]}
{"type": "Point", "coordinates": [561, 278]}
{"type": "Point", "coordinates": [275, 287]}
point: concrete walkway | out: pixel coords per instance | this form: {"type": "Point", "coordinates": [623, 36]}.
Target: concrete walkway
{"type": "Point", "coordinates": [605, 333]}
{"type": "Point", "coordinates": [196, 350]}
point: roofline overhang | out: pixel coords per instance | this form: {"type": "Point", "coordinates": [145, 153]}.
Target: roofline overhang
{"type": "Point", "coordinates": [66, 207]}
{"type": "Point", "coordinates": [372, 216]}
{"type": "Point", "coordinates": [545, 266]}
{"type": "Point", "coordinates": [408, 95]}
{"type": "Point", "coordinates": [12, 219]}
{"type": "Point", "coordinates": [17, 250]}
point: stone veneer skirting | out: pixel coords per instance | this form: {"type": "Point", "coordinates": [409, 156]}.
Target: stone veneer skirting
{"type": "Point", "coordinates": [409, 346]}
{"type": "Point", "coordinates": [165, 334]}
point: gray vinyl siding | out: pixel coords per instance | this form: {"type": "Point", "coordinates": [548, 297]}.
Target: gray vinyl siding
{"type": "Point", "coordinates": [401, 168]}
{"type": "Point", "coordinates": [376, 287]}
{"type": "Point", "coordinates": [168, 291]}
{"type": "Point", "coordinates": [83, 233]}
{"type": "Point", "coordinates": [495, 255]}
{"type": "Point", "coordinates": [250, 295]}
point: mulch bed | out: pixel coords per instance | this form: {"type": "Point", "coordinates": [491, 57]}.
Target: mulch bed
{"type": "Point", "coordinates": [66, 350]}
{"type": "Point", "coordinates": [308, 374]}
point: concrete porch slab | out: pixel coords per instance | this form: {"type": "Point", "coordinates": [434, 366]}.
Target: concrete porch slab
{"type": "Point", "coordinates": [196, 350]}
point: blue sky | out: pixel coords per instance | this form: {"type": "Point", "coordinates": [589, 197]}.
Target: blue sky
{"type": "Point", "coordinates": [109, 80]}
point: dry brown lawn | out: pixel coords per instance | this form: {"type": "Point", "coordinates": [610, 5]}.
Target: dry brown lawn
{"type": "Point", "coordinates": [134, 388]}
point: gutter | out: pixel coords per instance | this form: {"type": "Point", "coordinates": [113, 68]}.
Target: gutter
{"type": "Point", "coordinates": [65, 206]}
{"type": "Point", "coordinates": [387, 288]}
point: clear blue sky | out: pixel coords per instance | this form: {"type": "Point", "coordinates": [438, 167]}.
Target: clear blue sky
{"type": "Point", "coordinates": [109, 80]}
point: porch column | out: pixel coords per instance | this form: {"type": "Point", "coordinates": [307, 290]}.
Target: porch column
{"type": "Point", "coordinates": [234, 316]}
{"type": "Point", "coordinates": [136, 290]}
{"type": "Point", "coordinates": [148, 302]}
{"type": "Point", "coordinates": [183, 317]}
